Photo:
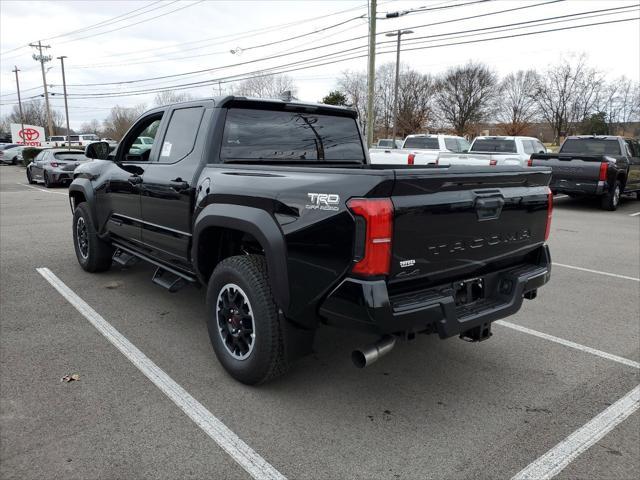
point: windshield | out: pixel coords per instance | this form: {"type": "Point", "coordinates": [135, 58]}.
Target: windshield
{"type": "Point", "coordinates": [290, 136]}
{"type": "Point", "coordinates": [591, 146]}
{"type": "Point", "coordinates": [90, 137]}
{"type": "Point", "coordinates": [422, 143]}
{"type": "Point", "coordinates": [493, 145]}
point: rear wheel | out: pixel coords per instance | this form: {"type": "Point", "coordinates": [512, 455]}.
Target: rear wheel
{"type": "Point", "coordinates": [243, 320]}
{"type": "Point", "coordinates": [611, 200]}
{"type": "Point", "coordinates": [29, 178]}
{"type": "Point", "coordinates": [93, 253]}
{"type": "Point", "coordinates": [47, 181]}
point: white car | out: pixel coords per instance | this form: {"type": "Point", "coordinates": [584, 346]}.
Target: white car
{"type": "Point", "coordinates": [12, 155]}
{"type": "Point", "coordinates": [420, 149]}
{"type": "Point", "coordinates": [496, 151]}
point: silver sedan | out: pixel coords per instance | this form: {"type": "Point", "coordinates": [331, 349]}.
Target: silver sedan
{"type": "Point", "coordinates": [55, 166]}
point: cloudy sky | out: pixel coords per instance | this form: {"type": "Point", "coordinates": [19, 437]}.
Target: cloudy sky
{"type": "Point", "coordinates": [119, 50]}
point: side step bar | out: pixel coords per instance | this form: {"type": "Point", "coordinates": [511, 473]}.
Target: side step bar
{"type": "Point", "coordinates": [167, 277]}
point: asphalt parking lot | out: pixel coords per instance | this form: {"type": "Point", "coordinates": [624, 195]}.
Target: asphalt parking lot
{"type": "Point", "coordinates": [431, 409]}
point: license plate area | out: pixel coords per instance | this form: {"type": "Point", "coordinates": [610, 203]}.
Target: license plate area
{"type": "Point", "coordinates": [468, 291]}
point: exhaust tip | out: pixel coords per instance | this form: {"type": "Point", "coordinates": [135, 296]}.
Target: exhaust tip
{"type": "Point", "coordinates": [358, 358]}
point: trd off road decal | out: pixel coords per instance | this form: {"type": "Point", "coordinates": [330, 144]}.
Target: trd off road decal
{"type": "Point", "coordinates": [323, 201]}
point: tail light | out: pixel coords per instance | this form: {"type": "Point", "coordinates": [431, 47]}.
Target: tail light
{"type": "Point", "coordinates": [54, 164]}
{"type": "Point", "coordinates": [493, 163]}
{"type": "Point", "coordinates": [603, 171]}
{"type": "Point", "coordinates": [549, 214]}
{"type": "Point", "coordinates": [411, 159]}
{"type": "Point", "coordinates": [375, 217]}
{"type": "Point", "coordinates": [530, 162]}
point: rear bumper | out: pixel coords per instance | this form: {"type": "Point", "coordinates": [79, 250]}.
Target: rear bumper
{"type": "Point", "coordinates": [577, 187]}
{"type": "Point", "coordinates": [61, 177]}
{"type": "Point", "coordinates": [366, 305]}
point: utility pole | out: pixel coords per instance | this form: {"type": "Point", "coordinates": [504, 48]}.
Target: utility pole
{"type": "Point", "coordinates": [399, 34]}
{"type": "Point", "coordinates": [66, 106]}
{"type": "Point", "coordinates": [371, 79]}
{"type": "Point", "coordinates": [15, 70]}
{"type": "Point", "coordinates": [42, 59]}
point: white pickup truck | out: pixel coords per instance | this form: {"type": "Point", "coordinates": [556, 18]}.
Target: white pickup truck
{"type": "Point", "coordinates": [495, 151]}
{"type": "Point", "coordinates": [81, 140]}
{"type": "Point", "coordinates": [420, 149]}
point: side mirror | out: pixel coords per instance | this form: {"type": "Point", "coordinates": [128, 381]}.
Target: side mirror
{"type": "Point", "coordinates": [98, 150]}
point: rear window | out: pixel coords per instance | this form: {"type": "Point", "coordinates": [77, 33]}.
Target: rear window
{"type": "Point", "coordinates": [74, 138]}
{"type": "Point", "coordinates": [591, 146]}
{"type": "Point", "coordinates": [385, 143]}
{"type": "Point", "coordinates": [251, 134]}
{"type": "Point", "coordinates": [57, 139]}
{"type": "Point", "coordinates": [70, 156]}
{"type": "Point", "coordinates": [494, 145]}
{"type": "Point", "coordinates": [422, 143]}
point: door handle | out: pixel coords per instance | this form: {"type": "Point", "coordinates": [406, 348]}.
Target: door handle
{"type": "Point", "coordinates": [135, 179]}
{"type": "Point", "coordinates": [179, 184]}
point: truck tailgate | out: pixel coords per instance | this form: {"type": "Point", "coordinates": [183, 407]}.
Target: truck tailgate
{"type": "Point", "coordinates": [571, 172]}
{"type": "Point", "coordinates": [456, 222]}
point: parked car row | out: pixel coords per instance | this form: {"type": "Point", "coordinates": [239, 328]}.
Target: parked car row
{"type": "Point", "coordinates": [11, 153]}
{"type": "Point", "coordinates": [452, 150]}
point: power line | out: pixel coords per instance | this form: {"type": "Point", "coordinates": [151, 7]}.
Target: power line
{"type": "Point", "coordinates": [135, 23]}
{"type": "Point", "coordinates": [298, 51]}
{"type": "Point", "coordinates": [235, 78]}
{"type": "Point", "coordinates": [288, 39]}
{"type": "Point", "coordinates": [237, 36]}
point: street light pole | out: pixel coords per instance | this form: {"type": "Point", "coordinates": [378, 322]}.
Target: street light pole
{"type": "Point", "coordinates": [66, 106]}
{"type": "Point", "coordinates": [15, 70]}
{"type": "Point", "coordinates": [399, 34]}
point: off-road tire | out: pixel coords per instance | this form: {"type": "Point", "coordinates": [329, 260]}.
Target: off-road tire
{"type": "Point", "coordinates": [29, 178]}
{"type": "Point", "coordinates": [99, 252]}
{"type": "Point", "coordinates": [611, 200]}
{"type": "Point", "coordinates": [267, 358]}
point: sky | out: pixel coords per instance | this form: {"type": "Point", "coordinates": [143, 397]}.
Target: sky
{"type": "Point", "coordinates": [111, 42]}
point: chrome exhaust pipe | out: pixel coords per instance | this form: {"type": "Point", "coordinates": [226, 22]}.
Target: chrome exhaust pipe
{"type": "Point", "coordinates": [366, 356]}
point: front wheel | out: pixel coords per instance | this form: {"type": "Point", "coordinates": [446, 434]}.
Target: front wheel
{"type": "Point", "coordinates": [243, 320]}
{"type": "Point", "coordinates": [611, 200]}
{"type": "Point", "coordinates": [93, 253]}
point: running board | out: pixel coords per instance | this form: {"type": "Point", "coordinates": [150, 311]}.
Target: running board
{"type": "Point", "coordinates": [168, 280]}
{"type": "Point", "coordinates": [123, 258]}
{"type": "Point", "coordinates": [167, 277]}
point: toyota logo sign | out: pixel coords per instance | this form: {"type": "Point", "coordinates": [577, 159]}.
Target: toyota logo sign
{"type": "Point", "coordinates": [29, 134]}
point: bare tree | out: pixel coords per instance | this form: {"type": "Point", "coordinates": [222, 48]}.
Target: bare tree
{"type": "Point", "coordinates": [620, 102]}
{"type": "Point", "coordinates": [383, 101]}
{"type": "Point", "coordinates": [516, 105]}
{"type": "Point", "coordinates": [416, 93]}
{"type": "Point", "coordinates": [35, 114]}
{"type": "Point", "coordinates": [354, 86]}
{"type": "Point", "coordinates": [91, 127]}
{"type": "Point", "coordinates": [266, 86]}
{"type": "Point", "coordinates": [465, 95]}
{"type": "Point", "coordinates": [567, 93]}
{"type": "Point", "coordinates": [120, 119]}
{"type": "Point", "coordinates": [168, 97]}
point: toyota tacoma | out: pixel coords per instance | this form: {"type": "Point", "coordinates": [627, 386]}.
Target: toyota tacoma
{"type": "Point", "coordinates": [276, 209]}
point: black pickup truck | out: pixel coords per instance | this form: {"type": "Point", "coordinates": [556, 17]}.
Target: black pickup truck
{"type": "Point", "coordinates": [596, 166]}
{"type": "Point", "coordinates": [275, 207]}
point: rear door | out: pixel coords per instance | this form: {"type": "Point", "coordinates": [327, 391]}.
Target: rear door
{"type": "Point", "coordinates": [455, 222]}
{"type": "Point", "coordinates": [168, 185]}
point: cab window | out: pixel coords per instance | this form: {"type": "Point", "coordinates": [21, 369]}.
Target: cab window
{"type": "Point", "coordinates": [135, 150]}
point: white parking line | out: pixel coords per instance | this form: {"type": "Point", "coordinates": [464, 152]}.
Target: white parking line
{"type": "Point", "coordinates": [556, 459]}
{"type": "Point", "coordinates": [248, 459]}
{"type": "Point", "coordinates": [561, 196]}
{"type": "Point", "coordinates": [615, 275]}
{"type": "Point", "coordinates": [568, 343]}
{"type": "Point", "coordinates": [634, 214]}
{"type": "Point", "coordinates": [41, 189]}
